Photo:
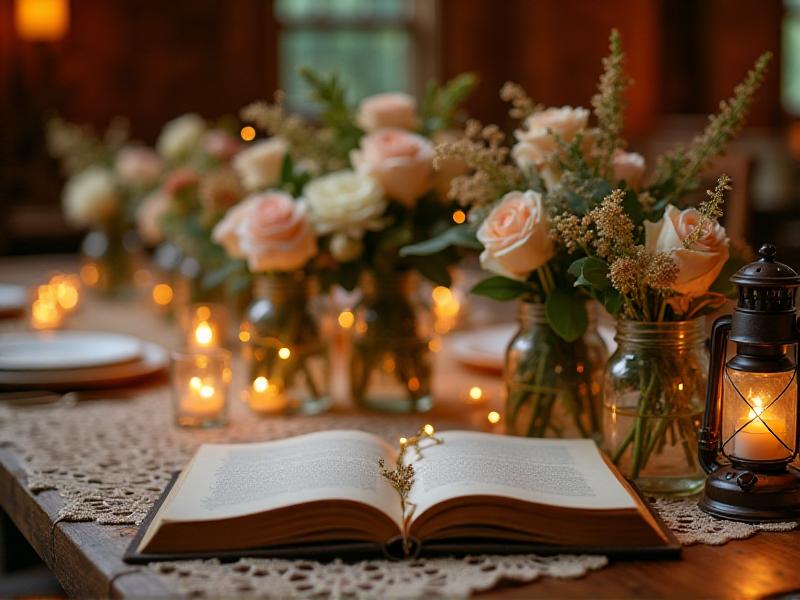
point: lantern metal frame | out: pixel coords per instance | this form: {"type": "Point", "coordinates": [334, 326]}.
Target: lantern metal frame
{"type": "Point", "coordinates": [764, 327]}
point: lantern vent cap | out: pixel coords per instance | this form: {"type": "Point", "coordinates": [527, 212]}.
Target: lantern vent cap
{"type": "Point", "coordinates": [766, 271]}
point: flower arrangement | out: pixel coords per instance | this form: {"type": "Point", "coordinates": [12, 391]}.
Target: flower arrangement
{"type": "Point", "coordinates": [567, 214]}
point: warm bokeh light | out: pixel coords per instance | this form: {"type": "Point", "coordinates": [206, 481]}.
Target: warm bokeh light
{"type": "Point", "coordinates": [493, 417]}
{"type": "Point", "coordinates": [435, 345]}
{"type": "Point", "coordinates": [162, 294]}
{"type": "Point", "coordinates": [260, 384]}
{"type": "Point", "coordinates": [428, 429]}
{"type": "Point", "coordinates": [207, 391]}
{"type": "Point", "coordinates": [65, 290]}
{"type": "Point", "coordinates": [403, 441]}
{"type": "Point", "coordinates": [284, 353]}
{"type": "Point", "coordinates": [90, 274]}
{"type": "Point", "coordinates": [195, 383]}
{"type": "Point", "coordinates": [459, 217]}
{"type": "Point", "coordinates": [446, 307]}
{"type": "Point", "coordinates": [45, 315]}
{"type": "Point", "coordinates": [413, 384]}
{"type": "Point", "coordinates": [346, 319]}
{"type": "Point", "coordinates": [203, 313]}
{"type": "Point", "coordinates": [204, 334]}
{"type": "Point", "coordinates": [475, 393]}
{"type": "Point", "coordinates": [41, 20]}
{"type": "Point", "coordinates": [244, 336]}
{"type": "Point", "coordinates": [248, 133]}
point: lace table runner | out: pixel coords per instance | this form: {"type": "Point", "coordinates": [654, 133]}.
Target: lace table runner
{"type": "Point", "coordinates": [110, 460]}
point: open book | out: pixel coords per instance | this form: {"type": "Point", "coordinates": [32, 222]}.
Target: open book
{"type": "Point", "coordinates": [323, 494]}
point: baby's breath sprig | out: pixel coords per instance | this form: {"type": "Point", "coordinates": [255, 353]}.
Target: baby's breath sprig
{"type": "Point", "coordinates": [710, 210]}
{"type": "Point", "coordinates": [521, 104]}
{"type": "Point", "coordinates": [609, 102]}
{"type": "Point", "coordinates": [682, 166]}
{"type": "Point", "coordinates": [483, 151]}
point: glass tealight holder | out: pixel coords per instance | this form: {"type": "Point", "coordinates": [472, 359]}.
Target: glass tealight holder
{"type": "Point", "coordinates": [204, 326]}
{"type": "Point", "coordinates": [200, 382]}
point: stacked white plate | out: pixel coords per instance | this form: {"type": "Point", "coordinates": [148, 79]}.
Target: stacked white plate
{"type": "Point", "coordinates": [59, 360]}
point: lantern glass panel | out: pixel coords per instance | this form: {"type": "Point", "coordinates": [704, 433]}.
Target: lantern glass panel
{"type": "Point", "coordinates": [759, 415]}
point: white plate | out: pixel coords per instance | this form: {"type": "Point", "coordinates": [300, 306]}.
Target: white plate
{"type": "Point", "coordinates": [154, 359]}
{"type": "Point", "coordinates": [485, 348]}
{"type": "Point", "coordinates": [13, 299]}
{"type": "Point", "coordinates": [60, 350]}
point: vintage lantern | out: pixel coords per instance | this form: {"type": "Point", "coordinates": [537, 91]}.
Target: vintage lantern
{"type": "Point", "coordinates": [750, 427]}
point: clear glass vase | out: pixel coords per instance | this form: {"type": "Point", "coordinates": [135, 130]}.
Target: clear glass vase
{"type": "Point", "coordinates": [554, 387]}
{"type": "Point", "coordinates": [390, 362]}
{"type": "Point", "coordinates": [287, 361]}
{"type": "Point", "coordinates": [654, 396]}
{"type": "Point", "coordinates": [108, 260]}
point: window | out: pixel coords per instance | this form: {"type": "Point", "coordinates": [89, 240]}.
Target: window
{"type": "Point", "coordinates": [372, 45]}
{"type": "Point", "coordinates": [791, 57]}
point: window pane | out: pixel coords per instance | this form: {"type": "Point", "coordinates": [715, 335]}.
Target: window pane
{"type": "Point", "coordinates": [791, 58]}
{"type": "Point", "coordinates": [367, 62]}
{"type": "Point", "coordinates": [298, 9]}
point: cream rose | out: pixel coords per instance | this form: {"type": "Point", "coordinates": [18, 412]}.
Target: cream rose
{"type": "Point", "coordinates": [345, 202]}
{"type": "Point", "coordinates": [180, 136]}
{"type": "Point", "coordinates": [259, 165]}
{"type": "Point", "coordinates": [516, 236]}
{"type": "Point", "coordinates": [149, 216]}
{"type": "Point", "coordinates": [91, 197]}
{"type": "Point", "coordinates": [138, 166]}
{"type": "Point", "coordinates": [628, 167]}
{"type": "Point", "coordinates": [699, 265]}
{"type": "Point", "coordinates": [537, 141]}
{"type": "Point", "coordinates": [271, 230]}
{"type": "Point", "coordinates": [388, 110]}
{"type": "Point", "coordinates": [401, 162]}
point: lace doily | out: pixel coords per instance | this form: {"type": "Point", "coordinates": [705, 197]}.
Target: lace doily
{"type": "Point", "coordinates": [110, 461]}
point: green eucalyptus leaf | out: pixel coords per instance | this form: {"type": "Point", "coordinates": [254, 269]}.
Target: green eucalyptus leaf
{"type": "Point", "coordinates": [590, 272]}
{"type": "Point", "coordinates": [612, 301]}
{"type": "Point", "coordinates": [501, 288]}
{"type": "Point", "coordinates": [566, 313]}
{"type": "Point", "coordinates": [460, 235]}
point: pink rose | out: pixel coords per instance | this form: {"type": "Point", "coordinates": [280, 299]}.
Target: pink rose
{"type": "Point", "coordinates": [628, 167]}
{"type": "Point", "coordinates": [149, 217]}
{"type": "Point", "coordinates": [180, 180]}
{"type": "Point", "coordinates": [401, 162]}
{"type": "Point", "coordinates": [387, 110]}
{"type": "Point", "coordinates": [699, 265]}
{"type": "Point", "coordinates": [220, 144]}
{"type": "Point", "coordinates": [138, 166]}
{"type": "Point", "coordinates": [271, 230]}
{"type": "Point", "coordinates": [537, 141]}
{"type": "Point", "coordinates": [516, 236]}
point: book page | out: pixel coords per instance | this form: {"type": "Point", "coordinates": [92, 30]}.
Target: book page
{"type": "Point", "coordinates": [231, 480]}
{"type": "Point", "coordinates": [567, 473]}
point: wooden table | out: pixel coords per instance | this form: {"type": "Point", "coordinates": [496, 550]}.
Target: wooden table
{"type": "Point", "coordinates": [86, 557]}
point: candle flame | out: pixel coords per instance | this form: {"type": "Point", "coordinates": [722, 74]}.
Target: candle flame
{"type": "Point", "coordinates": [204, 334]}
{"type": "Point", "coordinates": [206, 391]}
{"type": "Point", "coordinates": [757, 409]}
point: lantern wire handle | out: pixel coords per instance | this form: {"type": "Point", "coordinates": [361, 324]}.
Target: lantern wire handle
{"type": "Point", "coordinates": [708, 443]}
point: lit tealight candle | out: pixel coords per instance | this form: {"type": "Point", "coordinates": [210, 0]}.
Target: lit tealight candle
{"type": "Point", "coordinates": [45, 314]}
{"type": "Point", "coordinates": [755, 441]}
{"type": "Point", "coordinates": [204, 326]}
{"type": "Point", "coordinates": [265, 397]}
{"type": "Point", "coordinates": [65, 289]}
{"type": "Point", "coordinates": [200, 387]}
{"type": "Point", "coordinates": [446, 307]}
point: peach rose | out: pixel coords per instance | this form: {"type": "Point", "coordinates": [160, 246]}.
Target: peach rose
{"type": "Point", "coordinates": [259, 165]}
{"type": "Point", "coordinates": [138, 166]}
{"type": "Point", "coordinates": [516, 236]}
{"type": "Point", "coordinates": [271, 230]}
{"type": "Point", "coordinates": [401, 162]}
{"type": "Point", "coordinates": [536, 142]}
{"type": "Point", "coordinates": [628, 167]}
{"type": "Point", "coordinates": [699, 265]}
{"type": "Point", "coordinates": [388, 110]}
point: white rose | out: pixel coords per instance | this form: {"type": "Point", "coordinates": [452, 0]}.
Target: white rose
{"type": "Point", "coordinates": [345, 202]}
{"type": "Point", "coordinates": [91, 197]}
{"type": "Point", "coordinates": [537, 141]}
{"type": "Point", "coordinates": [628, 167]}
{"type": "Point", "coordinates": [388, 110]}
{"type": "Point", "coordinates": [259, 165]}
{"type": "Point", "coordinates": [400, 161]}
{"type": "Point", "coordinates": [516, 236]}
{"type": "Point", "coordinates": [180, 136]}
{"type": "Point", "coordinates": [699, 265]}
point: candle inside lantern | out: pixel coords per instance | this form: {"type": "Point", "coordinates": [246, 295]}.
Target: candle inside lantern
{"type": "Point", "coordinates": [755, 441]}
{"type": "Point", "coordinates": [200, 387]}
{"type": "Point", "coordinates": [265, 397]}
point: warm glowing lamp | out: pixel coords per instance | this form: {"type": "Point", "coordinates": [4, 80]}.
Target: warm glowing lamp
{"type": "Point", "coordinates": [750, 427]}
{"type": "Point", "coordinates": [41, 20]}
